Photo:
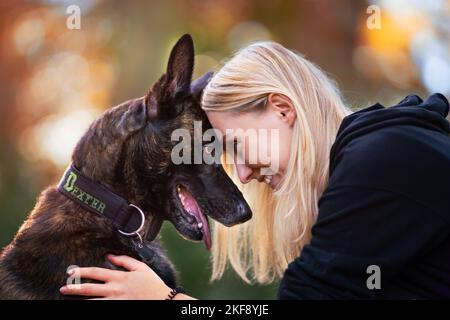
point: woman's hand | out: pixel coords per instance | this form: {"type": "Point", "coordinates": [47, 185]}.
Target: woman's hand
{"type": "Point", "coordinates": [140, 282]}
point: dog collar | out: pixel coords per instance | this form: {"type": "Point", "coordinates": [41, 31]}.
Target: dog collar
{"type": "Point", "coordinates": [128, 218]}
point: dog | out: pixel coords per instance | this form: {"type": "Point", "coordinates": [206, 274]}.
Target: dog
{"type": "Point", "coordinates": [125, 154]}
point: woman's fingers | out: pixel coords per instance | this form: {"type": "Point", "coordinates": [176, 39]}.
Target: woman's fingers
{"type": "Point", "coordinates": [87, 289]}
{"type": "Point", "coordinates": [94, 273]}
{"type": "Point", "coordinates": [140, 282]}
{"type": "Point", "coordinates": [126, 262]}
{"type": "Point", "coordinates": [114, 280]}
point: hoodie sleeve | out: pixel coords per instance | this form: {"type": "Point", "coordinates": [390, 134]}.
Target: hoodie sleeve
{"type": "Point", "coordinates": [359, 228]}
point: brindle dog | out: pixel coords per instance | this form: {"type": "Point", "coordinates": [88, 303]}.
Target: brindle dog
{"type": "Point", "coordinates": [128, 150]}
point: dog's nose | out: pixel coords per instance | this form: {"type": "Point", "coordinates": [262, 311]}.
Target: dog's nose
{"type": "Point", "coordinates": [244, 212]}
{"type": "Point", "coordinates": [241, 209]}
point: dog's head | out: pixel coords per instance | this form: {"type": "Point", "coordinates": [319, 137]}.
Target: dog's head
{"type": "Point", "coordinates": [129, 149]}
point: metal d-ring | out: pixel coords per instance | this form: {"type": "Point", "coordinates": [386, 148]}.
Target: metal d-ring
{"type": "Point", "coordinates": [136, 232]}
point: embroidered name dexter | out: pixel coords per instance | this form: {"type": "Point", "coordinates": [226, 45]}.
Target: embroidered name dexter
{"type": "Point", "coordinates": [81, 195]}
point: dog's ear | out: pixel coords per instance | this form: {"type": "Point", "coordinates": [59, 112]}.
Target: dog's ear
{"type": "Point", "coordinates": [181, 65]}
{"type": "Point", "coordinates": [177, 80]}
{"type": "Point", "coordinates": [134, 118]}
{"type": "Point", "coordinates": [199, 84]}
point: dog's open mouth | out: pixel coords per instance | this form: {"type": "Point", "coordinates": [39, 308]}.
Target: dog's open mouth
{"type": "Point", "coordinates": [191, 206]}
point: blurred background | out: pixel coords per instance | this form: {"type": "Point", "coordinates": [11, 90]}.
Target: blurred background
{"type": "Point", "coordinates": [55, 80]}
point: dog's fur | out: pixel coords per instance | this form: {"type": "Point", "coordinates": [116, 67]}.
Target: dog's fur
{"type": "Point", "coordinates": [128, 150]}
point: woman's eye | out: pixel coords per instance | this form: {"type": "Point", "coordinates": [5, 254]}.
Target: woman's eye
{"type": "Point", "coordinates": [232, 148]}
{"type": "Point", "coordinates": [238, 149]}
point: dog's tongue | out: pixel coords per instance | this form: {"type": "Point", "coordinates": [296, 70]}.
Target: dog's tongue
{"type": "Point", "coordinates": [193, 208]}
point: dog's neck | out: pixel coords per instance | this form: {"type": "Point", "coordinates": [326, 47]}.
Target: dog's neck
{"type": "Point", "coordinates": [100, 199]}
{"type": "Point", "coordinates": [116, 161]}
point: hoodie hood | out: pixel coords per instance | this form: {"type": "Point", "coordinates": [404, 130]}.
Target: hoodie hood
{"type": "Point", "coordinates": [412, 110]}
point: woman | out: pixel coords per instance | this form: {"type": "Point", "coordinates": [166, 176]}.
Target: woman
{"type": "Point", "coordinates": [358, 208]}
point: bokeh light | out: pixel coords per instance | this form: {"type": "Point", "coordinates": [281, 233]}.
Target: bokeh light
{"type": "Point", "coordinates": [56, 81]}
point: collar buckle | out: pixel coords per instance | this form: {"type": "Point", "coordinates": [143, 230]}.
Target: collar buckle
{"type": "Point", "coordinates": [139, 229]}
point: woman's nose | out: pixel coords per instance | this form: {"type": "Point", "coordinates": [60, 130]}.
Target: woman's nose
{"type": "Point", "coordinates": [244, 173]}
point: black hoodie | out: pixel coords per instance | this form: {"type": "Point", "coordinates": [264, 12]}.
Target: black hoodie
{"type": "Point", "coordinates": [383, 228]}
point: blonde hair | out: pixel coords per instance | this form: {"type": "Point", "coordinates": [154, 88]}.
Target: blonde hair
{"type": "Point", "coordinates": [261, 248]}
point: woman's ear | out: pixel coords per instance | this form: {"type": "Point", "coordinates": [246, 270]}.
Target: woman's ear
{"type": "Point", "coordinates": [283, 107]}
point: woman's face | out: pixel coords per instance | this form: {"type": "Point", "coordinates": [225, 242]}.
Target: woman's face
{"type": "Point", "coordinates": [261, 139]}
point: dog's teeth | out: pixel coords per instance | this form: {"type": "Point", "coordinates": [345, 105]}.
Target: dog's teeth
{"type": "Point", "coordinates": [200, 225]}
